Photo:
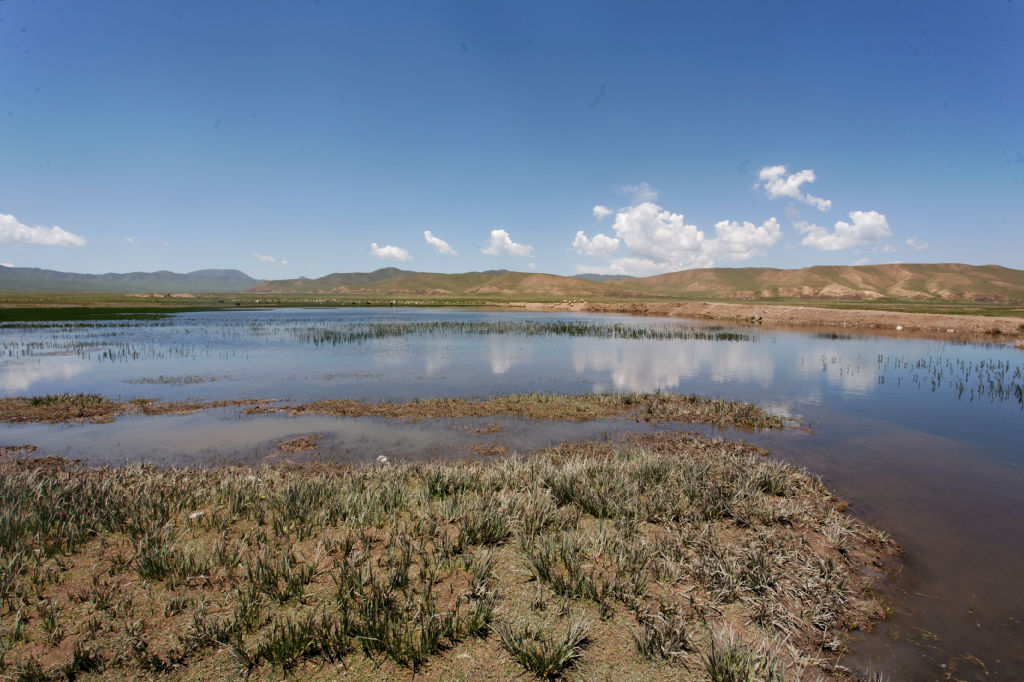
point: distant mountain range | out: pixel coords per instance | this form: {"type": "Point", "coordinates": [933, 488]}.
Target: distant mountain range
{"type": "Point", "coordinates": [942, 281]}
{"type": "Point", "coordinates": [198, 282]}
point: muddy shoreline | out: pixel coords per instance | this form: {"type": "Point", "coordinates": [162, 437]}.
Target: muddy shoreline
{"type": "Point", "coordinates": [879, 322]}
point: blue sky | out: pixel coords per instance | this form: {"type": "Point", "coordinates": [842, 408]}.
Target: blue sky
{"type": "Point", "coordinates": [561, 137]}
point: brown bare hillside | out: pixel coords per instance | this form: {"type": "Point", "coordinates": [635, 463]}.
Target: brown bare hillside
{"type": "Point", "coordinates": [394, 282]}
{"type": "Point", "coordinates": [942, 281]}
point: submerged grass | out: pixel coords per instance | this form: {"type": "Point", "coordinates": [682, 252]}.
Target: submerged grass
{"type": "Point", "coordinates": [648, 407]}
{"type": "Point", "coordinates": [437, 570]}
{"type": "Point", "coordinates": [69, 407]}
{"type": "Point", "coordinates": [340, 333]}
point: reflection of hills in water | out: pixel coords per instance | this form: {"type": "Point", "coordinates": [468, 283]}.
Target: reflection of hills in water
{"type": "Point", "coordinates": [623, 354]}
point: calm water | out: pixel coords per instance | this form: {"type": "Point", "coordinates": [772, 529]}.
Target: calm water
{"type": "Point", "coordinates": [923, 437]}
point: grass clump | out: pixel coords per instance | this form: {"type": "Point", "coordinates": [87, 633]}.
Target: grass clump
{"type": "Point", "coordinates": [729, 660]}
{"type": "Point", "coordinates": [542, 653]}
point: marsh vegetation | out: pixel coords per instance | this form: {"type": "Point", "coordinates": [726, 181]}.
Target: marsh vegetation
{"type": "Point", "coordinates": [589, 560]}
{"type": "Point", "coordinates": [650, 407]}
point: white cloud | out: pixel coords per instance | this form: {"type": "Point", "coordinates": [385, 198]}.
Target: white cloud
{"type": "Point", "coordinates": [868, 227]}
{"type": "Point", "coordinates": [130, 240]}
{"type": "Point", "coordinates": [743, 241]}
{"type": "Point", "coordinates": [389, 251]}
{"type": "Point", "coordinates": [656, 238]}
{"type": "Point", "coordinates": [501, 244]}
{"type": "Point", "coordinates": [265, 259]}
{"type": "Point", "coordinates": [862, 261]}
{"type": "Point", "coordinates": [601, 245]}
{"type": "Point", "coordinates": [647, 266]}
{"type": "Point", "coordinates": [916, 244]}
{"type": "Point", "coordinates": [777, 183]}
{"type": "Point", "coordinates": [640, 193]}
{"type": "Point", "coordinates": [602, 212]}
{"type": "Point", "coordinates": [13, 232]}
{"type": "Point", "coordinates": [439, 244]}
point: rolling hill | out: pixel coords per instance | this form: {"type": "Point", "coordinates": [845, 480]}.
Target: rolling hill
{"type": "Point", "coordinates": [395, 282]}
{"type": "Point", "coordinates": [197, 282]}
{"type": "Point", "coordinates": [923, 282]}
{"type": "Point", "coordinates": [943, 281]}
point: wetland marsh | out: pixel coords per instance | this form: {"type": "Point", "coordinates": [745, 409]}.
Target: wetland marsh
{"type": "Point", "coordinates": [921, 436]}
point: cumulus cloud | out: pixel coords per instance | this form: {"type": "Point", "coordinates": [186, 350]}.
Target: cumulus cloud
{"type": "Point", "coordinates": [777, 183]}
{"type": "Point", "coordinates": [440, 245]}
{"type": "Point", "coordinates": [862, 261]}
{"type": "Point", "coordinates": [743, 241]}
{"type": "Point", "coordinates": [501, 244]}
{"type": "Point", "coordinates": [652, 234]}
{"type": "Point", "coordinates": [265, 259]}
{"type": "Point", "coordinates": [13, 232]}
{"type": "Point", "coordinates": [916, 244]}
{"type": "Point", "coordinates": [600, 245]}
{"type": "Point", "coordinates": [657, 240]}
{"type": "Point", "coordinates": [130, 240]}
{"type": "Point", "coordinates": [866, 227]}
{"type": "Point", "coordinates": [389, 251]}
{"type": "Point", "coordinates": [602, 212]}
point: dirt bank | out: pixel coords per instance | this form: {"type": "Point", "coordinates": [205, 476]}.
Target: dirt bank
{"type": "Point", "coordinates": [1009, 328]}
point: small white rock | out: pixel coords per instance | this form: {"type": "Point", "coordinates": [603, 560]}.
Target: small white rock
{"type": "Point", "coordinates": [195, 515]}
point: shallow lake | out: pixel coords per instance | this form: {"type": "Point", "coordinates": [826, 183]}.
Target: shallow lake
{"type": "Point", "coordinates": [923, 437]}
